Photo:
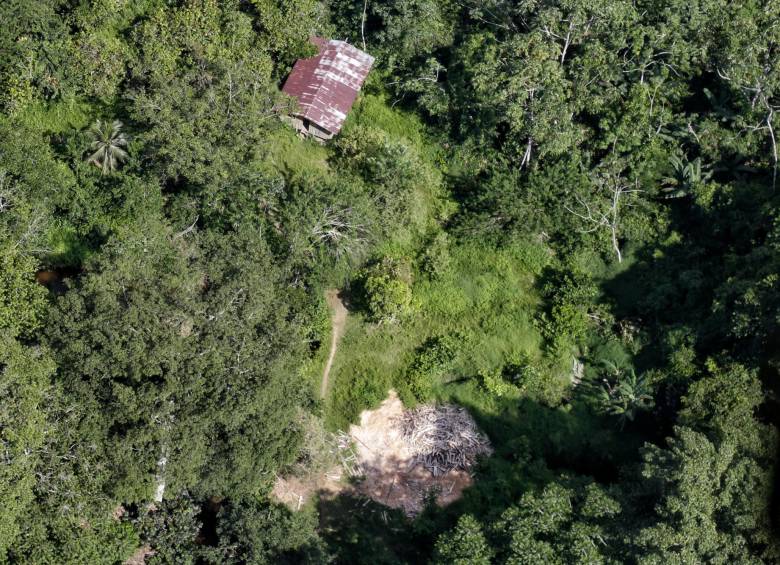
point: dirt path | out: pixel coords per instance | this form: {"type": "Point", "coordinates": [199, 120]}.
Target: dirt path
{"type": "Point", "coordinates": [338, 321]}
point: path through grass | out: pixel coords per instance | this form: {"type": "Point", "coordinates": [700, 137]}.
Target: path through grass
{"type": "Point", "coordinates": [338, 323]}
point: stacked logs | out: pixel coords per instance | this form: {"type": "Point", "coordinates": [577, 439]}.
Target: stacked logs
{"type": "Point", "coordinates": [345, 450]}
{"type": "Point", "coordinates": [443, 437]}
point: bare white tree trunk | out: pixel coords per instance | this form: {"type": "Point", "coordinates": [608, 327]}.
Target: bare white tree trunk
{"type": "Point", "coordinates": [162, 461]}
{"type": "Point", "coordinates": [615, 245]}
{"type": "Point", "coordinates": [566, 42]}
{"type": "Point", "coordinates": [596, 217]}
{"type": "Point", "coordinates": [363, 24]}
{"type": "Point", "coordinates": [159, 489]}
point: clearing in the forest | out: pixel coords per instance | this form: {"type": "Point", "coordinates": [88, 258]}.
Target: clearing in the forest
{"type": "Point", "coordinates": [400, 457]}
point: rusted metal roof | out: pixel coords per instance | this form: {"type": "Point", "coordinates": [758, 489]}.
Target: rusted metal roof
{"type": "Point", "coordinates": [326, 85]}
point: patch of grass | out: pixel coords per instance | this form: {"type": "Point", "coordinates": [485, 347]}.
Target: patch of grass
{"type": "Point", "coordinates": [429, 204]}
{"type": "Point", "coordinates": [367, 352]}
{"type": "Point", "coordinates": [373, 110]}
{"type": "Point", "coordinates": [319, 340]}
{"type": "Point", "coordinates": [57, 117]}
{"type": "Point", "coordinates": [486, 301]}
{"type": "Point", "coordinates": [66, 248]}
{"type": "Point", "coordinates": [295, 156]}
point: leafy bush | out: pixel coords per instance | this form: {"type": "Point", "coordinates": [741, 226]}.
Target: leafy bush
{"type": "Point", "coordinates": [493, 381]}
{"type": "Point", "coordinates": [569, 294]}
{"type": "Point", "coordinates": [622, 393]}
{"type": "Point", "coordinates": [388, 291]}
{"type": "Point", "coordinates": [522, 377]}
{"type": "Point", "coordinates": [171, 530]}
{"type": "Point", "coordinates": [464, 545]}
{"type": "Point", "coordinates": [22, 301]}
{"type": "Point", "coordinates": [253, 531]}
{"type": "Point", "coordinates": [430, 362]}
{"type": "Point", "coordinates": [520, 371]}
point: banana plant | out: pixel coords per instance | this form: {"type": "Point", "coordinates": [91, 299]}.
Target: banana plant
{"type": "Point", "coordinates": [624, 394]}
{"type": "Point", "coordinates": [686, 177]}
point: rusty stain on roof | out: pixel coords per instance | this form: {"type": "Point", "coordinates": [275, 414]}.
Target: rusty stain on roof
{"type": "Point", "coordinates": [327, 84]}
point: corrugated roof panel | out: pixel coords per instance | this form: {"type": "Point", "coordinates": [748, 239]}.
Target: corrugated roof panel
{"type": "Point", "coordinates": [327, 84]}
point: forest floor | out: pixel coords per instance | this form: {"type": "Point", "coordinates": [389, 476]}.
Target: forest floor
{"type": "Point", "coordinates": [338, 322]}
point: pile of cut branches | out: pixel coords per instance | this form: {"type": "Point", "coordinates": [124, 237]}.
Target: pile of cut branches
{"type": "Point", "coordinates": [443, 437]}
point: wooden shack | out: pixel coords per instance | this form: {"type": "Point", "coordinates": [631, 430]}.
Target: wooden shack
{"type": "Point", "coordinates": [325, 87]}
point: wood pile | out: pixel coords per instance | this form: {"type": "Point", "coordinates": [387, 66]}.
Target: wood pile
{"type": "Point", "coordinates": [443, 437]}
{"type": "Point", "coordinates": [347, 456]}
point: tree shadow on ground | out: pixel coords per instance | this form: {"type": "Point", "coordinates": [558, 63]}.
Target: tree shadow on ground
{"type": "Point", "coordinates": [361, 531]}
{"type": "Point", "coordinates": [534, 445]}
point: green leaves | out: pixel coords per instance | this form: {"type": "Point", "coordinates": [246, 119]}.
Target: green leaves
{"type": "Point", "coordinates": [714, 504]}
{"type": "Point", "coordinates": [203, 92]}
{"type": "Point", "coordinates": [558, 525]}
{"type": "Point", "coordinates": [108, 146]}
{"type": "Point", "coordinates": [388, 291]}
{"type": "Point", "coordinates": [624, 394]}
{"type": "Point", "coordinates": [464, 545]}
{"type": "Point", "coordinates": [715, 478]}
{"type": "Point", "coordinates": [188, 359]}
{"type": "Point", "coordinates": [569, 294]}
{"type": "Point", "coordinates": [251, 531]}
{"type": "Point", "coordinates": [24, 387]}
{"type": "Point", "coordinates": [22, 300]}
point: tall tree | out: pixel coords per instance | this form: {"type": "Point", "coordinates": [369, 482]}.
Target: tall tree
{"type": "Point", "coordinates": [108, 146]}
{"type": "Point", "coordinates": [25, 388]}
{"type": "Point", "coordinates": [464, 545]}
{"type": "Point", "coordinates": [188, 365]}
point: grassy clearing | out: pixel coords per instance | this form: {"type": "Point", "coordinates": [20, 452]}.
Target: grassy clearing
{"type": "Point", "coordinates": [57, 117]}
{"type": "Point", "coordinates": [429, 204]}
{"type": "Point", "coordinates": [292, 155]}
{"type": "Point", "coordinates": [486, 300]}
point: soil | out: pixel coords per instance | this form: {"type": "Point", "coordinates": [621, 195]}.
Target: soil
{"type": "Point", "coordinates": [391, 475]}
{"type": "Point", "coordinates": [139, 557]}
{"type": "Point", "coordinates": [294, 492]}
{"type": "Point", "coordinates": [338, 322]}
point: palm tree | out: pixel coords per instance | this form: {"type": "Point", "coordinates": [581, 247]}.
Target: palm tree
{"type": "Point", "coordinates": [108, 145]}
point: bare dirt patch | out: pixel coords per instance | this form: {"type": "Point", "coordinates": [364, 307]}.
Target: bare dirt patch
{"type": "Point", "coordinates": [294, 491]}
{"type": "Point", "coordinates": [392, 472]}
{"type": "Point", "coordinates": [338, 322]}
{"type": "Point", "coordinates": [393, 476]}
{"type": "Point", "coordinates": [140, 555]}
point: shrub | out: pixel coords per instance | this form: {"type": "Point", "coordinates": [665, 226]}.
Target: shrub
{"type": "Point", "coordinates": [431, 361]}
{"type": "Point", "coordinates": [22, 301]}
{"type": "Point", "coordinates": [569, 293]}
{"type": "Point", "coordinates": [493, 381]}
{"type": "Point", "coordinates": [520, 371]}
{"type": "Point", "coordinates": [388, 291]}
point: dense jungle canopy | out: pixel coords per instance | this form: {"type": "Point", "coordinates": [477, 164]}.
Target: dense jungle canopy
{"type": "Point", "coordinates": [561, 215]}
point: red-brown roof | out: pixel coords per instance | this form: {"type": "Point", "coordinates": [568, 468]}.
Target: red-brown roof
{"type": "Point", "coordinates": [326, 85]}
